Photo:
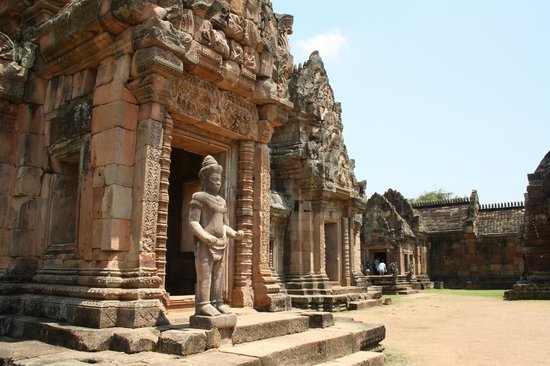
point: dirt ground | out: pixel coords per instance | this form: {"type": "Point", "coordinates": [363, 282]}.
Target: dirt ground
{"type": "Point", "coordinates": [446, 329]}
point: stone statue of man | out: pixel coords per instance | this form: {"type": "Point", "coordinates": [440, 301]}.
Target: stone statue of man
{"type": "Point", "coordinates": [208, 221]}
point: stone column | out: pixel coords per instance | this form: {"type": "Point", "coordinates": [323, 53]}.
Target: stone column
{"type": "Point", "coordinates": [319, 251]}
{"type": "Point", "coordinates": [162, 219]}
{"type": "Point", "coordinates": [357, 276]}
{"type": "Point", "coordinates": [266, 289]}
{"type": "Point", "coordinates": [346, 278]}
{"type": "Point", "coordinates": [242, 285]}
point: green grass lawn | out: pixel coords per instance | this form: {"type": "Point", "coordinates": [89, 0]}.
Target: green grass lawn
{"type": "Point", "coordinates": [497, 294]}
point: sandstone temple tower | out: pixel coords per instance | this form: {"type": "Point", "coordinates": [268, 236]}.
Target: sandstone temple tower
{"type": "Point", "coordinates": [107, 109]}
{"type": "Point", "coordinates": [316, 199]}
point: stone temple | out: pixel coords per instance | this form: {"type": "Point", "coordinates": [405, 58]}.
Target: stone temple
{"type": "Point", "coordinates": [108, 109]}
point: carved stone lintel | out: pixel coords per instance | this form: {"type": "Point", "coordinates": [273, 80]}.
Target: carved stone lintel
{"type": "Point", "coordinates": [202, 101]}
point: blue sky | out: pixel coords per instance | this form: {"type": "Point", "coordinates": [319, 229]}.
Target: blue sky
{"type": "Point", "coordinates": [435, 94]}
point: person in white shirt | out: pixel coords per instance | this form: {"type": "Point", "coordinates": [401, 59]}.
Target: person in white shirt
{"type": "Point", "coordinates": [382, 268]}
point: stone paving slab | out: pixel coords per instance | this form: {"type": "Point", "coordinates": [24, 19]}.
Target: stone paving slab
{"type": "Point", "coordinates": [255, 327]}
{"type": "Point", "coordinates": [363, 358]}
{"type": "Point", "coordinates": [35, 353]}
{"type": "Point", "coordinates": [318, 345]}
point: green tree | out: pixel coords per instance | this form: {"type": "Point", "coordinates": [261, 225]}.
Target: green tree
{"type": "Point", "coordinates": [429, 196]}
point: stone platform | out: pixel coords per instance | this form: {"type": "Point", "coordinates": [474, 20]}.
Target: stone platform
{"type": "Point", "coordinates": [287, 338]}
{"type": "Point", "coordinates": [338, 298]}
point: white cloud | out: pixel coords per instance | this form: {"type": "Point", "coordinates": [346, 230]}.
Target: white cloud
{"type": "Point", "coordinates": [330, 45]}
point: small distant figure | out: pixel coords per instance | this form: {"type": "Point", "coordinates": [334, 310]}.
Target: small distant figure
{"type": "Point", "coordinates": [382, 268]}
{"type": "Point", "coordinates": [367, 268]}
{"type": "Point", "coordinates": [376, 263]}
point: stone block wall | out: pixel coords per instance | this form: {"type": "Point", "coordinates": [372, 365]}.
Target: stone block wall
{"type": "Point", "coordinates": [473, 245]}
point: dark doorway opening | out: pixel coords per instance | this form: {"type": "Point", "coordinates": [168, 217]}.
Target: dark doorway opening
{"type": "Point", "coordinates": [332, 257]}
{"type": "Point", "coordinates": [180, 257]}
{"type": "Point", "coordinates": [378, 257]}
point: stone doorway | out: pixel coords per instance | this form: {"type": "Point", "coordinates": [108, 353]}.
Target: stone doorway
{"type": "Point", "coordinates": [381, 256]}
{"type": "Point", "coordinates": [183, 182]}
{"type": "Point", "coordinates": [180, 266]}
{"type": "Point", "coordinates": [333, 250]}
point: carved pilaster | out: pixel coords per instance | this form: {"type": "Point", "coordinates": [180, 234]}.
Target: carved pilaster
{"type": "Point", "coordinates": [242, 290]}
{"type": "Point", "coordinates": [322, 251]}
{"type": "Point", "coordinates": [162, 219]}
{"type": "Point", "coordinates": [267, 294]}
{"type": "Point", "coordinates": [147, 173]}
{"type": "Point", "coordinates": [346, 249]}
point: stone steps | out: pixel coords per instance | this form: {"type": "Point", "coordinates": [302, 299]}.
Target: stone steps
{"type": "Point", "coordinates": [364, 304]}
{"type": "Point", "coordinates": [288, 338]}
{"type": "Point", "coordinates": [363, 358]}
{"type": "Point", "coordinates": [314, 346]}
{"type": "Point", "coordinates": [254, 327]}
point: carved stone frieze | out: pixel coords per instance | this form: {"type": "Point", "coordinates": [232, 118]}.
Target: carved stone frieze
{"type": "Point", "coordinates": [214, 38]}
{"type": "Point", "coordinates": [268, 28]}
{"type": "Point", "coordinates": [235, 27]}
{"type": "Point", "coordinates": [162, 33]}
{"type": "Point", "coordinates": [203, 101]}
{"type": "Point", "coordinates": [218, 14]}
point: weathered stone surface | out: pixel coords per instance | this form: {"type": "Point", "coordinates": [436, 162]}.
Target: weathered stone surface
{"type": "Point", "coordinates": [364, 304]}
{"type": "Point", "coordinates": [536, 237]}
{"type": "Point", "coordinates": [480, 243]}
{"type": "Point", "coordinates": [134, 340]}
{"type": "Point", "coordinates": [318, 345]}
{"type": "Point", "coordinates": [79, 338]}
{"type": "Point", "coordinates": [264, 325]}
{"type": "Point", "coordinates": [114, 114]}
{"type": "Point", "coordinates": [364, 358]}
{"type": "Point", "coordinates": [320, 319]}
{"type": "Point", "coordinates": [365, 336]}
{"type": "Point", "coordinates": [113, 146]}
{"type": "Point", "coordinates": [211, 322]}
{"type": "Point", "coordinates": [180, 342]}
{"type": "Point", "coordinates": [117, 202]}
{"type": "Point", "coordinates": [28, 181]}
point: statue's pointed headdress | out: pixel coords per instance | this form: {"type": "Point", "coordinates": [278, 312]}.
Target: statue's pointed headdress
{"type": "Point", "coordinates": [209, 166]}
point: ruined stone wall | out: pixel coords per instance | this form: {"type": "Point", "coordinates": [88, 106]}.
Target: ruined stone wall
{"type": "Point", "coordinates": [472, 245]}
{"type": "Point", "coordinates": [535, 283]}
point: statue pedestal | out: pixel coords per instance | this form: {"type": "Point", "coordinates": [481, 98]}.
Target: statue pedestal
{"type": "Point", "coordinates": [223, 321]}
{"type": "Point", "coordinates": [223, 324]}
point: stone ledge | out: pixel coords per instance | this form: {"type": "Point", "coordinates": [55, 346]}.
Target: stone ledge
{"type": "Point", "coordinates": [210, 322]}
{"type": "Point", "coordinates": [260, 326]}
{"type": "Point", "coordinates": [79, 338]}
{"type": "Point", "coordinates": [364, 304]}
{"type": "Point", "coordinates": [86, 312]}
{"type": "Point", "coordinates": [363, 358]}
{"type": "Point", "coordinates": [319, 319]}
